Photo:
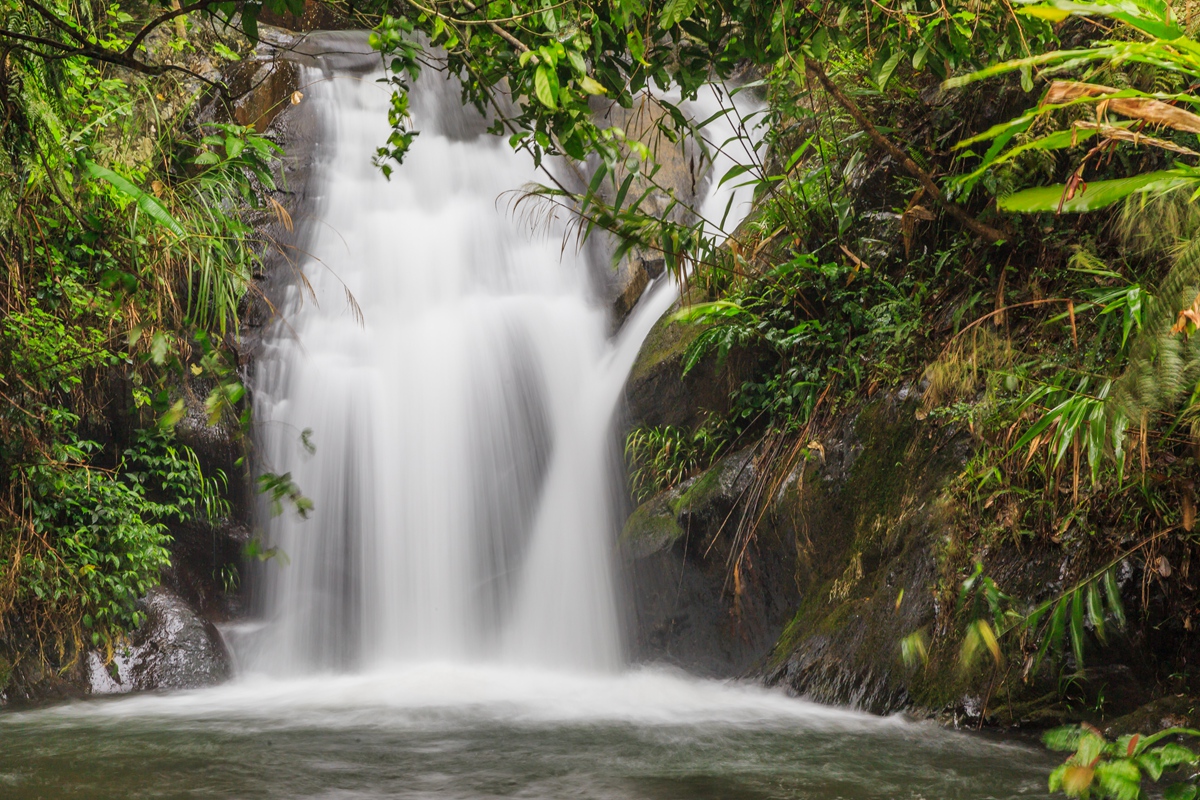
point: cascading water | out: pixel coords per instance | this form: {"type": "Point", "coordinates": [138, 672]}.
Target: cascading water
{"type": "Point", "coordinates": [459, 388]}
{"type": "Point", "coordinates": [461, 487]}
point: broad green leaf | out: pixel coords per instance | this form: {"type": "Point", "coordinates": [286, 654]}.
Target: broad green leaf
{"type": "Point", "coordinates": [637, 47]}
{"type": "Point", "coordinates": [1097, 194]}
{"type": "Point", "coordinates": [147, 202]}
{"type": "Point", "coordinates": [676, 11]}
{"type": "Point", "coordinates": [1173, 754]}
{"type": "Point", "coordinates": [1180, 791]}
{"type": "Point", "coordinates": [542, 86]}
{"type": "Point", "coordinates": [1065, 738]}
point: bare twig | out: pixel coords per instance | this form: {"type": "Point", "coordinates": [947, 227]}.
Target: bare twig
{"type": "Point", "coordinates": [983, 230]}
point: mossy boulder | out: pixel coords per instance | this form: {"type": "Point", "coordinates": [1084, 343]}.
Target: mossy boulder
{"type": "Point", "coordinates": [657, 393]}
{"type": "Point", "coordinates": [651, 528]}
{"type": "Point", "coordinates": [866, 513]}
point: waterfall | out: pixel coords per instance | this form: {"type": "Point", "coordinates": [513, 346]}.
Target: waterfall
{"type": "Point", "coordinates": [442, 387]}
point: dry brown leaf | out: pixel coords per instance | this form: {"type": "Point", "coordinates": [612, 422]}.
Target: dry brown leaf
{"type": "Point", "coordinates": [1155, 112]}
{"type": "Point", "coordinates": [297, 96]}
{"type": "Point", "coordinates": [858, 263]}
{"type": "Point", "coordinates": [910, 217]}
{"type": "Point", "coordinates": [1126, 135]}
{"type": "Point", "coordinates": [1189, 511]}
{"type": "Point", "coordinates": [1033, 448]}
{"type": "Point", "coordinates": [1188, 316]}
{"type": "Point", "coordinates": [1163, 566]}
{"type": "Point", "coordinates": [281, 214]}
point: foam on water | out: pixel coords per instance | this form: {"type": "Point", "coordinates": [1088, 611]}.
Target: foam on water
{"type": "Point", "coordinates": [463, 475]}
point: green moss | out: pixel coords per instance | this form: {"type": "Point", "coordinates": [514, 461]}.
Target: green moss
{"type": "Point", "coordinates": [667, 341]}
{"type": "Point", "coordinates": [650, 528]}
{"type": "Point", "coordinates": [702, 490]}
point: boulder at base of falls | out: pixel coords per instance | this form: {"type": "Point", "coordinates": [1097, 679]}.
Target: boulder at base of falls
{"type": "Point", "coordinates": [701, 596]}
{"type": "Point", "coordinates": [173, 649]}
{"type": "Point", "coordinates": [657, 392]}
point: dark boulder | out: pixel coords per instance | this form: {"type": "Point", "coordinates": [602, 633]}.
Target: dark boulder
{"type": "Point", "coordinates": [173, 649]}
{"type": "Point", "coordinates": [704, 594]}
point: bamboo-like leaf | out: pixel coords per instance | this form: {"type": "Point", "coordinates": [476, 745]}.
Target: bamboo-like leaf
{"type": "Point", "coordinates": [1112, 594]}
{"type": "Point", "coordinates": [1095, 610]}
{"type": "Point", "coordinates": [1098, 194]}
{"type": "Point", "coordinates": [1054, 632]}
{"type": "Point", "coordinates": [1076, 627]}
{"type": "Point", "coordinates": [707, 312]}
{"type": "Point", "coordinates": [145, 201]}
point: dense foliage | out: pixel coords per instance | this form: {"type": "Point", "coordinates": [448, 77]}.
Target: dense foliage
{"type": "Point", "coordinates": [908, 235]}
{"type": "Point", "coordinates": [126, 257]}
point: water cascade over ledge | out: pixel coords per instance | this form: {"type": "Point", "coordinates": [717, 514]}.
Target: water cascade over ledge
{"type": "Point", "coordinates": [443, 390]}
{"type": "Point", "coordinates": [444, 623]}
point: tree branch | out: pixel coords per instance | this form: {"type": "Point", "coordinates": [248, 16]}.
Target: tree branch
{"type": "Point", "coordinates": [980, 229]}
{"type": "Point", "coordinates": [100, 54]}
{"type": "Point", "coordinates": [54, 20]}
{"type": "Point", "coordinates": [199, 5]}
{"type": "Point", "coordinates": [505, 35]}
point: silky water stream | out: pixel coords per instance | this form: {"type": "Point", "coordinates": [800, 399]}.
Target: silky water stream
{"type": "Point", "coordinates": [445, 623]}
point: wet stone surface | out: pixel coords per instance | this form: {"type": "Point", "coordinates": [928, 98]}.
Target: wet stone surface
{"type": "Point", "coordinates": [173, 649]}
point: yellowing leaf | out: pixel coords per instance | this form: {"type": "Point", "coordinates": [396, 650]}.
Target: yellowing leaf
{"type": "Point", "coordinates": [989, 639]}
{"type": "Point", "coordinates": [1076, 780]}
{"type": "Point", "coordinates": [591, 85]}
{"type": "Point", "coordinates": [1049, 13]}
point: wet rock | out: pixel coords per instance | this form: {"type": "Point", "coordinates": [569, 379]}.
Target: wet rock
{"type": "Point", "coordinates": [657, 393]}
{"type": "Point", "coordinates": [1173, 711]}
{"type": "Point", "coordinates": [633, 276]}
{"type": "Point", "coordinates": [34, 679]}
{"type": "Point", "coordinates": [315, 16]}
{"type": "Point", "coordinates": [865, 515]}
{"type": "Point", "coordinates": [173, 649]}
{"type": "Point", "coordinates": [701, 597]}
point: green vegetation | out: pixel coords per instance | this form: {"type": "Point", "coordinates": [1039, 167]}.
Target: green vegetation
{"type": "Point", "coordinates": [126, 255]}
{"type": "Point", "coordinates": [1021, 260]}
{"type": "Point", "coordinates": [1065, 347]}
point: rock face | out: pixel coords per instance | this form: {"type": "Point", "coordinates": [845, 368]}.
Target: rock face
{"type": "Point", "coordinates": [839, 568]}
{"type": "Point", "coordinates": [173, 649]}
{"type": "Point", "coordinates": [865, 511]}
{"type": "Point", "coordinates": [656, 394]}
{"type": "Point", "coordinates": [703, 595]}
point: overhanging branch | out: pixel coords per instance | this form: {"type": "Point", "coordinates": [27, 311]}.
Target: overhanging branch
{"type": "Point", "coordinates": [980, 229]}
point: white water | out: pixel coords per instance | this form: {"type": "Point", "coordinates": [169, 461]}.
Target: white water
{"type": "Point", "coordinates": [461, 484]}
{"type": "Point", "coordinates": [463, 474]}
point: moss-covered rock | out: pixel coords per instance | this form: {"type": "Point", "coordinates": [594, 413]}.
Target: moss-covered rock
{"type": "Point", "coordinates": [656, 394]}
{"type": "Point", "coordinates": [651, 528]}
{"type": "Point", "coordinates": [865, 514]}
